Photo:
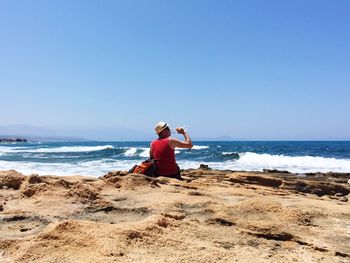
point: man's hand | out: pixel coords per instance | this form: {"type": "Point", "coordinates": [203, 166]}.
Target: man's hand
{"type": "Point", "coordinates": [180, 130]}
{"type": "Point", "coordinates": [187, 143]}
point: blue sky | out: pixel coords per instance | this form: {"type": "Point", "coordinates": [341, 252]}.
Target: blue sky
{"type": "Point", "coordinates": [256, 70]}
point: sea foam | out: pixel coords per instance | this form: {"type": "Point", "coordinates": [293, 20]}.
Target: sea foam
{"type": "Point", "coordinates": [144, 153]}
{"type": "Point", "coordinates": [93, 168]}
{"type": "Point", "coordinates": [200, 147]}
{"type": "Point", "coordinates": [130, 151]}
{"type": "Point", "coordinates": [250, 161]}
{"type": "Point", "coordinates": [37, 158]}
{"type": "Point", "coordinates": [195, 147]}
{"type": "Point", "coordinates": [137, 151]}
{"type": "Point", "coordinates": [294, 163]}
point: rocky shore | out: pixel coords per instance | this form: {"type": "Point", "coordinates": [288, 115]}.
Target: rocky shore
{"type": "Point", "coordinates": [210, 216]}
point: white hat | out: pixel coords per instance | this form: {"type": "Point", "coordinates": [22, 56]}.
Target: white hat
{"type": "Point", "coordinates": [160, 126]}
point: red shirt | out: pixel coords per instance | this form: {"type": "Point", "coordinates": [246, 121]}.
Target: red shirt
{"type": "Point", "coordinates": [164, 156]}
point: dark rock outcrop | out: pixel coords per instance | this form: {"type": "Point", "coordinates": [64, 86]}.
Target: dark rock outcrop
{"type": "Point", "coordinates": [13, 140]}
{"type": "Point", "coordinates": [204, 167]}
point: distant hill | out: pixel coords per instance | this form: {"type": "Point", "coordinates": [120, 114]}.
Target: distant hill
{"type": "Point", "coordinates": [224, 138]}
{"type": "Point", "coordinates": [34, 133]}
{"type": "Point", "coordinates": [57, 139]}
{"type": "Point", "coordinates": [32, 138]}
{"type": "Point", "coordinates": [24, 130]}
{"type": "Point", "coordinates": [37, 133]}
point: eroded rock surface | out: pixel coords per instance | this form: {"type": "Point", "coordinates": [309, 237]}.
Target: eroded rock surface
{"type": "Point", "coordinates": [210, 216]}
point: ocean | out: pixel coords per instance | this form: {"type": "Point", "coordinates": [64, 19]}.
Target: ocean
{"type": "Point", "coordinates": [98, 158]}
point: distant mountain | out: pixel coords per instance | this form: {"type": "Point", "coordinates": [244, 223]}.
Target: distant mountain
{"type": "Point", "coordinates": [35, 133]}
{"type": "Point", "coordinates": [224, 138]}
{"type": "Point", "coordinates": [57, 139]}
{"type": "Point", "coordinates": [25, 130]}
{"type": "Point", "coordinates": [43, 138]}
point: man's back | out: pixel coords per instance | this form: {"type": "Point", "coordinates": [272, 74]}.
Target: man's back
{"type": "Point", "coordinates": [163, 149]}
{"type": "Point", "coordinates": [164, 156]}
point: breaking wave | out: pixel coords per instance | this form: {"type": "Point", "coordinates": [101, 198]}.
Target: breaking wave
{"type": "Point", "coordinates": [130, 151]}
{"type": "Point", "coordinates": [250, 161]}
{"type": "Point", "coordinates": [293, 163]}
{"type": "Point", "coordinates": [93, 168]}
{"type": "Point", "coordinates": [136, 152]}
{"type": "Point", "coordinates": [97, 158]}
{"type": "Point", "coordinates": [199, 147]}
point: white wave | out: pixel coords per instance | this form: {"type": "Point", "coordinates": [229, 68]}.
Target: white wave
{"type": "Point", "coordinates": [195, 147]}
{"type": "Point", "coordinates": [130, 151]}
{"type": "Point", "coordinates": [177, 152]}
{"type": "Point", "coordinates": [6, 149]}
{"type": "Point", "coordinates": [135, 151]}
{"type": "Point", "coordinates": [248, 162]}
{"type": "Point", "coordinates": [200, 147]}
{"type": "Point", "coordinates": [144, 153]}
{"type": "Point", "coordinates": [93, 168]}
{"type": "Point", "coordinates": [297, 164]}
{"type": "Point", "coordinates": [56, 150]}
{"type": "Point", "coordinates": [257, 162]}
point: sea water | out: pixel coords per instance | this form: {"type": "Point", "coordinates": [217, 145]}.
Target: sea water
{"type": "Point", "coordinates": [98, 158]}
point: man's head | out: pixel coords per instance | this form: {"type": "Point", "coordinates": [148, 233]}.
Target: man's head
{"type": "Point", "coordinates": [162, 129]}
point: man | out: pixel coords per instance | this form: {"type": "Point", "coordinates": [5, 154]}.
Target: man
{"type": "Point", "coordinates": [162, 150]}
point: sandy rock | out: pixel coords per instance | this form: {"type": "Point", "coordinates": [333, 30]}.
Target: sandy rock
{"type": "Point", "coordinates": [255, 179]}
{"type": "Point", "coordinates": [343, 199]}
{"type": "Point", "coordinates": [11, 179]}
{"type": "Point", "coordinates": [113, 174]}
{"type": "Point", "coordinates": [34, 179]}
{"type": "Point", "coordinates": [136, 181]}
{"type": "Point", "coordinates": [216, 216]}
{"type": "Point", "coordinates": [269, 231]}
{"type": "Point", "coordinates": [84, 192]}
{"type": "Point", "coordinates": [32, 189]}
{"type": "Point", "coordinates": [174, 215]}
{"type": "Point", "coordinates": [318, 188]}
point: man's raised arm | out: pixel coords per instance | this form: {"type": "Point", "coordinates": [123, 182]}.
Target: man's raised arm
{"type": "Point", "coordinates": [187, 143]}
